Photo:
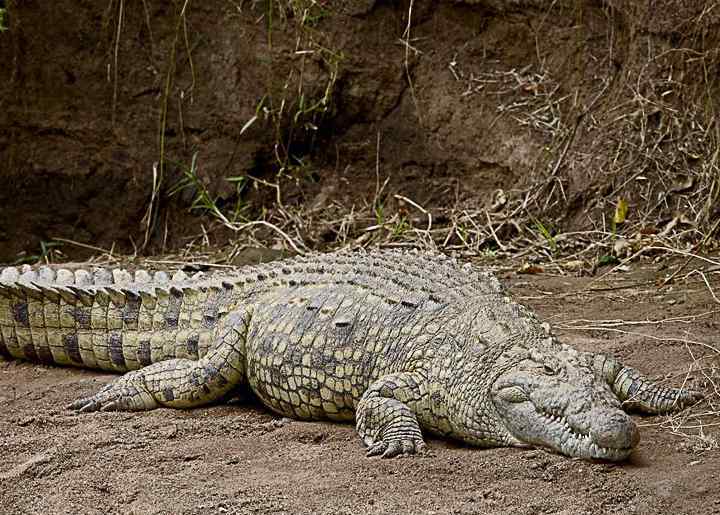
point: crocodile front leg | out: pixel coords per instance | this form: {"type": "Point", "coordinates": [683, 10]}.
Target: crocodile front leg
{"type": "Point", "coordinates": [386, 415]}
{"type": "Point", "coordinates": [640, 394]}
{"type": "Point", "coordinates": [179, 383]}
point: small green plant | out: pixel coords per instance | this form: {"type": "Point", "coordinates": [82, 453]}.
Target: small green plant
{"type": "Point", "coordinates": [296, 110]}
{"type": "Point", "coordinates": [489, 253]}
{"type": "Point", "coordinates": [399, 228]}
{"type": "Point", "coordinates": [181, 33]}
{"type": "Point", "coordinates": [203, 200]}
{"type": "Point", "coordinates": [3, 19]}
{"type": "Point", "coordinates": [239, 181]}
{"type": "Point", "coordinates": [297, 114]}
{"type": "Point", "coordinates": [545, 233]}
{"type": "Point", "coordinates": [463, 233]}
{"type": "Point", "coordinates": [379, 213]}
{"type": "Point", "coordinates": [607, 259]}
{"type": "Point", "coordinates": [45, 255]}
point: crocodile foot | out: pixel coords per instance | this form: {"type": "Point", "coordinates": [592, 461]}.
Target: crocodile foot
{"type": "Point", "coordinates": [127, 393]}
{"type": "Point", "coordinates": [388, 428]}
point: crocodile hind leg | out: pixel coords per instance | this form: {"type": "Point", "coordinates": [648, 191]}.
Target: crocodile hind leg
{"type": "Point", "coordinates": [179, 383]}
{"type": "Point", "coordinates": [385, 418]}
{"type": "Point", "coordinates": [640, 394]}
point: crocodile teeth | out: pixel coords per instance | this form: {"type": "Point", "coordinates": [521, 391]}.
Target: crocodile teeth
{"type": "Point", "coordinates": [575, 438]}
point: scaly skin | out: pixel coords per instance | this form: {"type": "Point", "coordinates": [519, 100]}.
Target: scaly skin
{"type": "Point", "coordinates": [401, 343]}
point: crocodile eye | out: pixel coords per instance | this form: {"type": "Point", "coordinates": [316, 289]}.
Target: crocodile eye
{"type": "Point", "coordinates": [549, 371]}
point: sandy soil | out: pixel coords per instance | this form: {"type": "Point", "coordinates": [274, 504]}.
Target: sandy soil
{"type": "Point", "coordinates": [238, 458]}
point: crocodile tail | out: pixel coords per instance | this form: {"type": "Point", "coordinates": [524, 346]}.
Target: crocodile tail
{"type": "Point", "coordinates": [638, 393]}
{"type": "Point", "coordinates": [107, 319]}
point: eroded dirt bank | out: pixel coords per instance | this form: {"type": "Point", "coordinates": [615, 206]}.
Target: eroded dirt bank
{"type": "Point", "coordinates": [238, 458]}
{"type": "Point", "coordinates": [566, 106]}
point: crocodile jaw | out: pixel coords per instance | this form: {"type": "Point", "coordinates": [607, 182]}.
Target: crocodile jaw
{"type": "Point", "coordinates": [561, 436]}
{"type": "Point", "coordinates": [598, 432]}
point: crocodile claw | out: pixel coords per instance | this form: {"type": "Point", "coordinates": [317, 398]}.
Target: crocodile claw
{"type": "Point", "coordinates": [84, 405]}
{"type": "Point", "coordinates": [393, 448]}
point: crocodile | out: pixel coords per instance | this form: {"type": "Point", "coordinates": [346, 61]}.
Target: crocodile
{"type": "Point", "coordinates": [403, 343]}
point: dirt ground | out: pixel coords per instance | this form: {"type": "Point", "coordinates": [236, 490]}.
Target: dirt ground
{"type": "Point", "coordinates": [239, 458]}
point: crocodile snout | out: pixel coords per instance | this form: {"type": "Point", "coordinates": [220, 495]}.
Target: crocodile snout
{"type": "Point", "coordinates": [613, 428]}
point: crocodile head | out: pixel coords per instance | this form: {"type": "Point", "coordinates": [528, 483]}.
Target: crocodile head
{"type": "Point", "coordinates": [556, 400]}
